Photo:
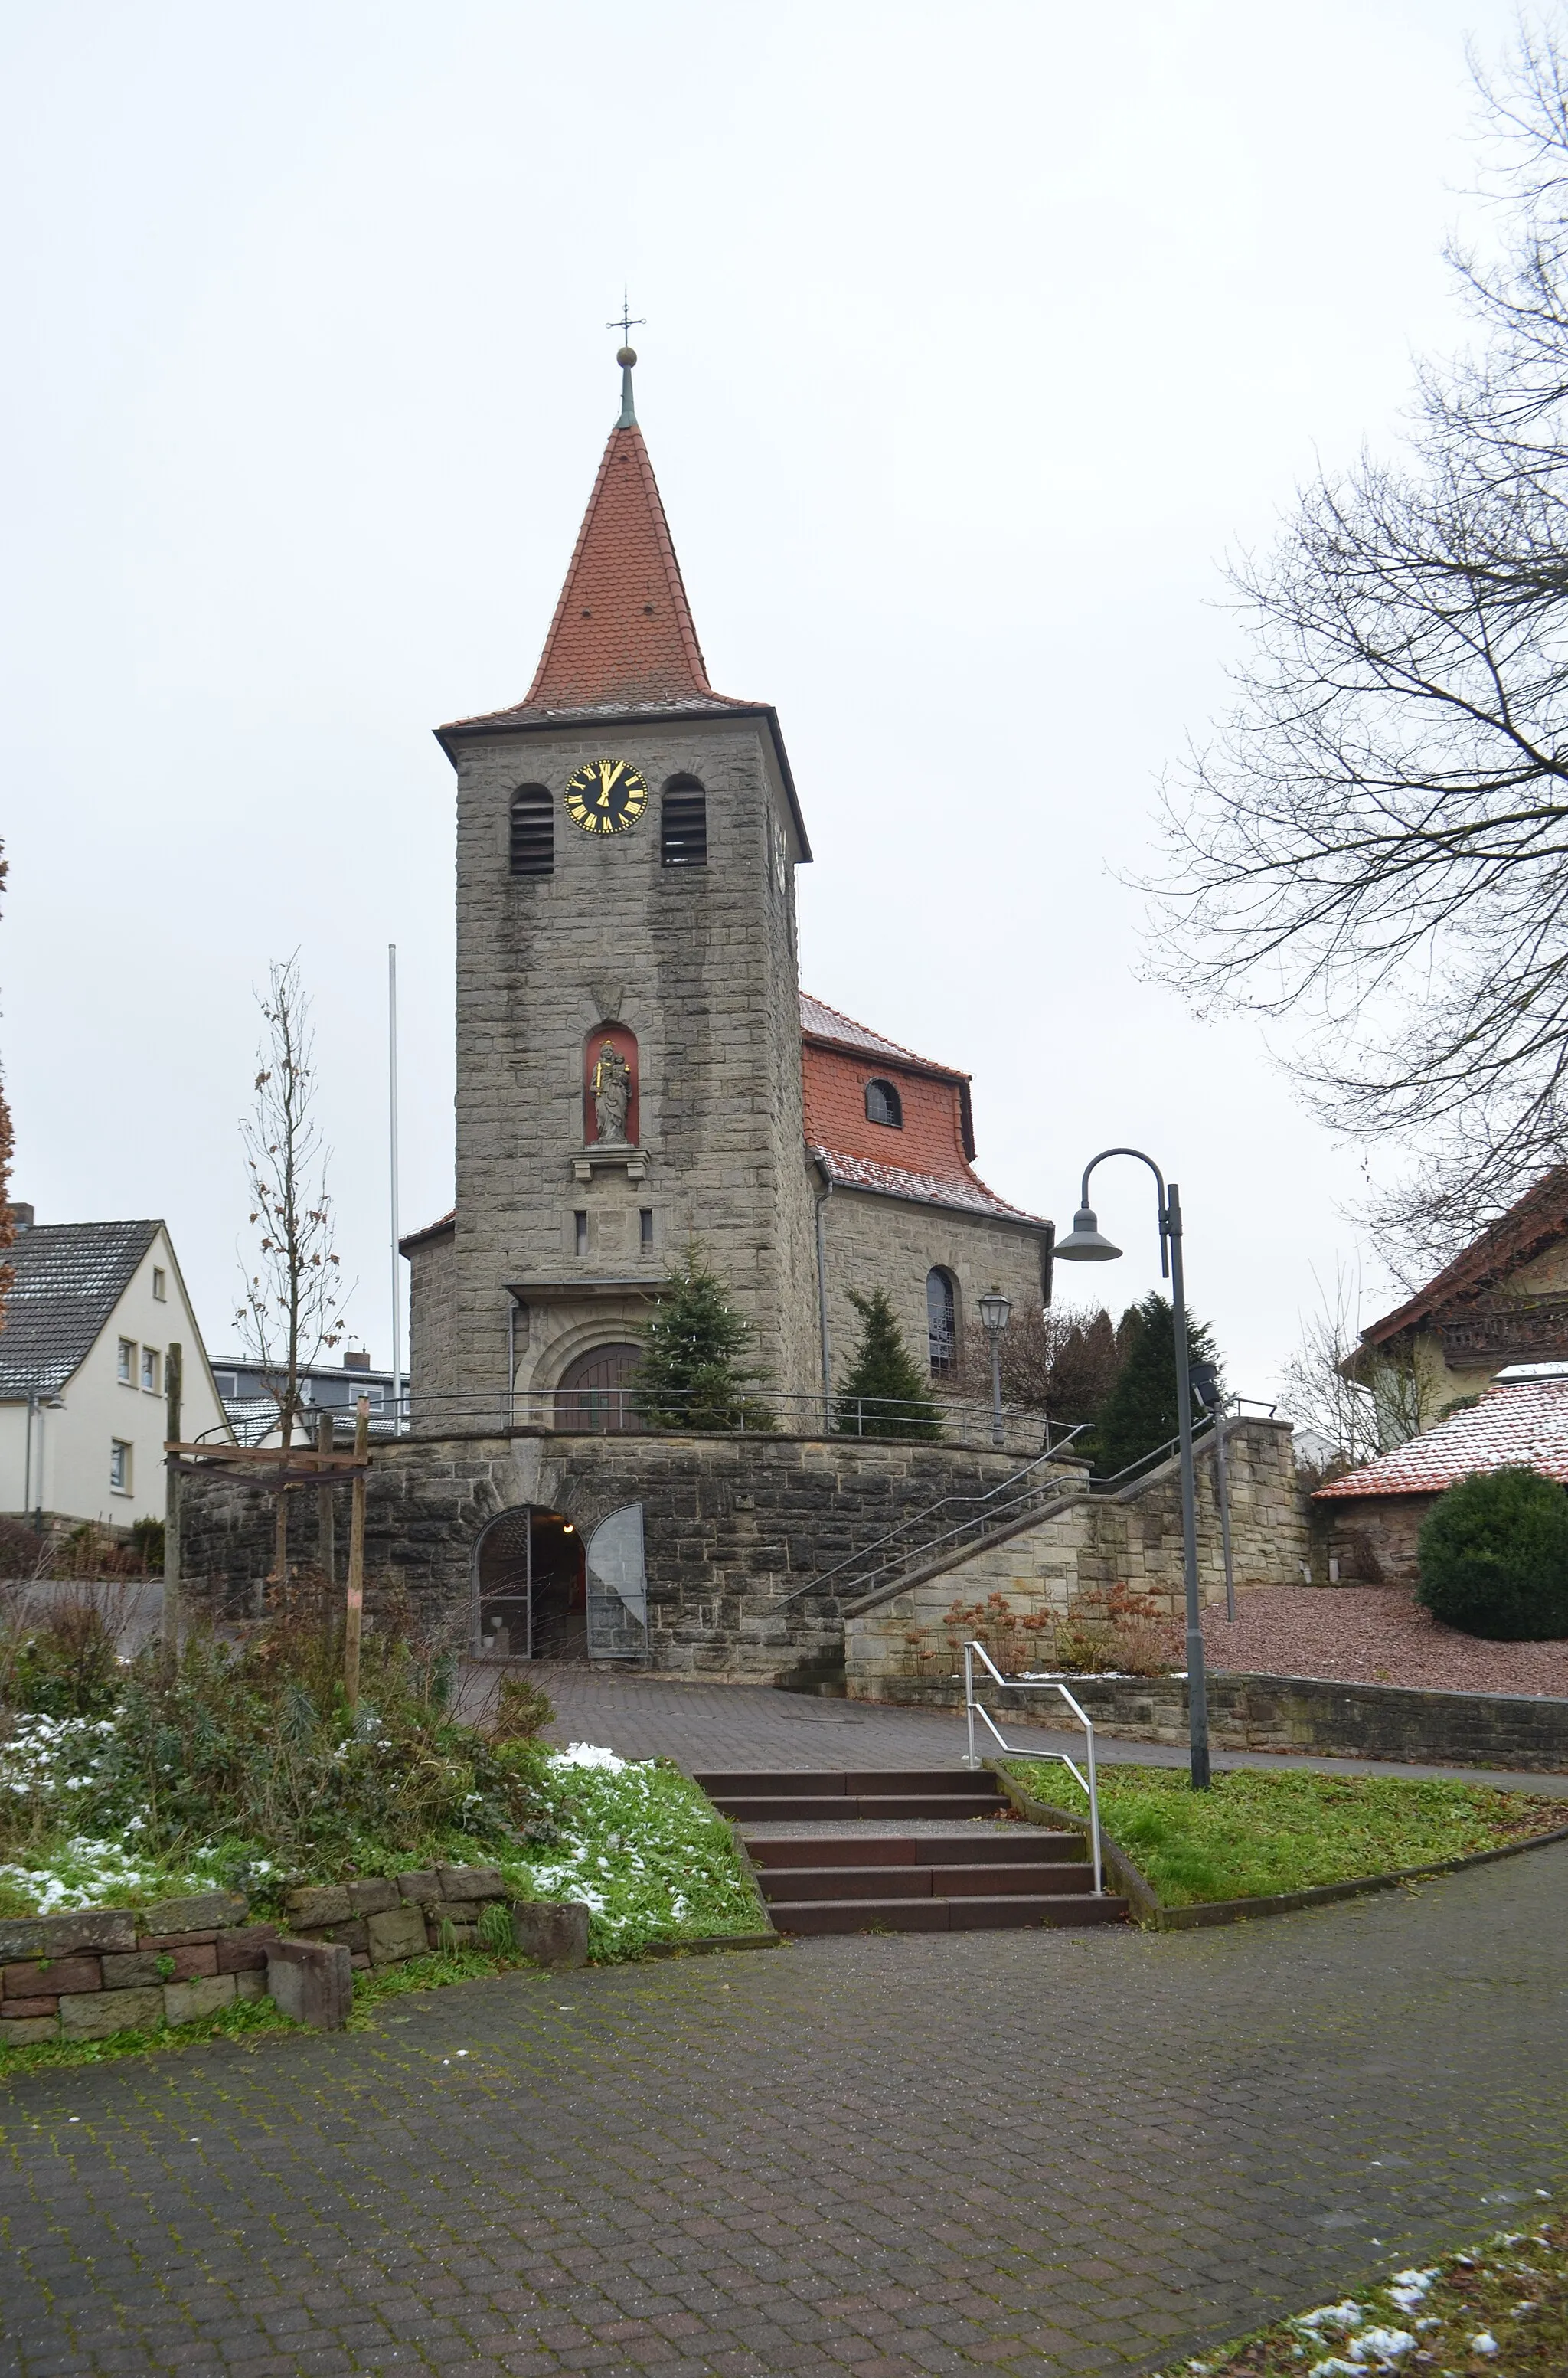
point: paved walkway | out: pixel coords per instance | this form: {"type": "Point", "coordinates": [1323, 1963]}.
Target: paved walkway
{"type": "Point", "coordinates": [1038, 2153]}
{"type": "Point", "coordinates": [745, 1725]}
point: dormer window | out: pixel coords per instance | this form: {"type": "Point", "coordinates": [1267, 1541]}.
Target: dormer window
{"type": "Point", "coordinates": [883, 1105]}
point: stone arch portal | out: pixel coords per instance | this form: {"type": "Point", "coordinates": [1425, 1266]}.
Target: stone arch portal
{"type": "Point", "coordinates": [531, 1587]}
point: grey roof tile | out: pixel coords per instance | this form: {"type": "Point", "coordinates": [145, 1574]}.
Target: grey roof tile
{"type": "Point", "coordinates": [69, 1276]}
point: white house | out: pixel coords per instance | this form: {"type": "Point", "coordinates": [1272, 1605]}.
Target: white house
{"type": "Point", "coordinates": [92, 1311]}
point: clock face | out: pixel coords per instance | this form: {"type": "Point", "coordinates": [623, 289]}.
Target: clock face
{"type": "Point", "coordinates": [606, 797]}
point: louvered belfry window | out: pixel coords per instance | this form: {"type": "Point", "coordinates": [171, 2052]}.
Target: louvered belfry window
{"type": "Point", "coordinates": [684, 837]}
{"type": "Point", "coordinates": [534, 831]}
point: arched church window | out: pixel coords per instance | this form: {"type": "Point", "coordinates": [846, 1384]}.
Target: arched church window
{"type": "Point", "coordinates": [883, 1105]}
{"type": "Point", "coordinates": [532, 831]}
{"type": "Point", "coordinates": [684, 824]}
{"type": "Point", "coordinates": [941, 1319]}
{"type": "Point", "coordinates": [609, 1086]}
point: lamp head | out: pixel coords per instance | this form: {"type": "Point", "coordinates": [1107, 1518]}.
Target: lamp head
{"type": "Point", "coordinates": [995, 1311]}
{"type": "Point", "coordinates": [1084, 1243]}
{"type": "Point", "coordinates": [1204, 1377]}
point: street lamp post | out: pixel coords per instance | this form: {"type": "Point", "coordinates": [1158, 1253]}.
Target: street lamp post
{"type": "Point", "coordinates": [1084, 1243]}
{"type": "Point", "coordinates": [995, 1311]}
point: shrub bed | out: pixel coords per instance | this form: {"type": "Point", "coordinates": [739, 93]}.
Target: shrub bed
{"type": "Point", "coordinates": [1493, 1556]}
{"type": "Point", "coordinates": [1255, 1833]}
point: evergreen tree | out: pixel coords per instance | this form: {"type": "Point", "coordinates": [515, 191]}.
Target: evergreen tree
{"type": "Point", "coordinates": [694, 1373]}
{"type": "Point", "coordinates": [884, 1395]}
{"type": "Point", "coordinates": [1139, 1414]}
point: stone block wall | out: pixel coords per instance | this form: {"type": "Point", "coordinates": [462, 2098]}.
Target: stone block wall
{"type": "Point", "coordinates": [97, 1971]}
{"type": "Point", "coordinates": [1083, 1547]}
{"type": "Point", "coordinates": [892, 1242]}
{"type": "Point", "coordinates": [1368, 1539]}
{"type": "Point", "coordinates": [734, 1527]}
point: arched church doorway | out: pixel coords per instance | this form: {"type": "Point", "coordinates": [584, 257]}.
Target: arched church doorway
{"type": "Point", "coordinates": [594, 1394]}
{"type": "Point", "coordinates": [531, 1588]}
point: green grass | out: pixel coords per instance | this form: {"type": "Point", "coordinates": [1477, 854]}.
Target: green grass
{"type": "Point", "coordinates": [1257, 1831]}
{"type": "Point", "coordinates": [1501, 2308]}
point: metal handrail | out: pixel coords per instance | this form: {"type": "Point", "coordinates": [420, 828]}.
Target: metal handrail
{"type": "Point", "coordinates": [1032, 1684]}
{"type": "Point", "coordinates": [863, 1560]}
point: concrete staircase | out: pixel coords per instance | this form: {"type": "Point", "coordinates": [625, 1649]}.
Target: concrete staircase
{"type": "Point", "coordinates": [830, 1858]}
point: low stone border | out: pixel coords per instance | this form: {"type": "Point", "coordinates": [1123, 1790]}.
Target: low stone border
{"type": "Point", "coordinates": [1411, 1724]}
{"type": "Point", "coordinates": [711, 1943]}
{"type": "Point", "coordinates": [1151, 1913]}
{"type": "Point", "coordinates": [91, 1973]}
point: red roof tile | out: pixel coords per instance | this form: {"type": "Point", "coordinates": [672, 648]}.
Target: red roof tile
{"type": "Point", "coordinates": [820, 1022]}
{"type": "Point", "coordinates": [968, 1192]}
{"type": "Point", "coordinates": [1517, 1422]}
{"type": "Point", "coordinates": [622, 637]}
{"type": "Point", "coordinates": [1533, 1222]}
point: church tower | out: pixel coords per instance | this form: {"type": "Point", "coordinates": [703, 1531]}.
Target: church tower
{"type": "Point", "coordinates": [629, 1053]}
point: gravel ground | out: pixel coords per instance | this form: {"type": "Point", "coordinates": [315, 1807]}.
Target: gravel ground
{"type": "Point", "coordinates": [1371, 1634]}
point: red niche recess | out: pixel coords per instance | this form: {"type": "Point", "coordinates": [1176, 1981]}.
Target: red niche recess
{"type": "Point", "coordinates": [624, 1044]}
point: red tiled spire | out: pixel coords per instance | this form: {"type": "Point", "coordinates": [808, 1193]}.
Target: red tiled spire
{"type": "Point", "coordinates": [622, 632]}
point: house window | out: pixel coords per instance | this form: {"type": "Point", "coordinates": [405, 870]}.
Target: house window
{"type": "Point", "coordinates": [645, 1228]}
{"type": "Point", "coordinates": [119, 1466]}
{"type": "Point", "coordinates": [883, 1105]}
{"type": "Point", "coordinates": [227, 1382]}
{"type": "Point", "coordinates": [683, 840]}
{"type": "Point", "coordinates": [579, 1231]}
{"type": "Point", "coordinates": [532, 832]}
{"type": "Point", "coordinates": [159, 1284]}
{"type": "Point", "coordinates": [942, 1320]}
{"type": "Point", "coordinates": [125, 1363]}
{"type": "Point", "coordinates": [149, 1369]}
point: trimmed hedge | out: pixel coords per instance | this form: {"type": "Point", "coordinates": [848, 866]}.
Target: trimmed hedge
{"type": "Point", "coordinates": [1493, 1556]}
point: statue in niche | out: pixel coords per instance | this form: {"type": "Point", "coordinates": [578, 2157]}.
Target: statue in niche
{"type": "Point", "coordinates": [612, 1092]}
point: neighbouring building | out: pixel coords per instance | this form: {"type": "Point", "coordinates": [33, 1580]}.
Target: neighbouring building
{"type": "Point", "coordinates": [637, 1068]}
{"type": "Point", "coordinates": [252, 1408]}
{"type": "Point", "coordinates": [1502, 1302]}
{"type": "Point", "coordinates": [1370, 1519]}
{"type": "Point", "coordinates": [91, 1316]}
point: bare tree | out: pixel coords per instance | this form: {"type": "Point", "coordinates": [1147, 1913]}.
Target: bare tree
{"type": "Point", "coordinates": [1062, 1360]}
{"type": "Point", "coordinates": [7, 1220]}
{"type": "Point", "coordinates": [290, 1311]}
{"type": "Point", "coordinates": [1364, 1399]}
{"type": "Point", "coordinates": [1376, 843]}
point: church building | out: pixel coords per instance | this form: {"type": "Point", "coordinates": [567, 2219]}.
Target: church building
{"type": "Point", "coordinates": [638, 1070]}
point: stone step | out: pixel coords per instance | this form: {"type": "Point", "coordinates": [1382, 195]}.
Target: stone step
{"type": "Point", "coordinates": [875, 1782]}
{"type": "Point", "coordinates": [806, 1809]}
{"type": "Point", "coordinates": [1021, 1846]}
{"type": "Point", "coordinates": [978, 1914]}
{"type": "Point", "coordinates": [1042, 1880]}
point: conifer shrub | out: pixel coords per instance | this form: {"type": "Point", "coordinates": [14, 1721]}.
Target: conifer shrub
{"type": "Point", "coordinates": [1493, 1556]}
{"type": "Point", "coordinates": [884, 1394]}
{"type": "Point", "coordinates": [1138, 1415]}
{"type": "Point", "coordinates": [697, 1370]}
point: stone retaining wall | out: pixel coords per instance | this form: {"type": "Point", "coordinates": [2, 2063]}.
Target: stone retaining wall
{"type": "Point", "coordinates": [1303, 1714]}
{"type": "Point", "coordinates": [99, 1970]}
{"type": "Point", "coordinates": [733, 1527]}
{"type": "Point", "coordinates": [1084, 1545]}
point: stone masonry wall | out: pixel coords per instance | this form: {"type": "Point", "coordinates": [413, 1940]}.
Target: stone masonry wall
{"type": "Point", "coordinates": [892, 1242]}
{"type": "Point", "coordinates": [700, 963]}
{"type": "Point", "coordinates": [732, 1526]}
{"type": "Point", "coordinates": [1085, 1545]}
{"type": "Point", "coordinates": [99, 1970]}
{"type": "Point", "coordinates": [432, 1312]}
{"type": "Point", "coordinates": [1370, 1539]}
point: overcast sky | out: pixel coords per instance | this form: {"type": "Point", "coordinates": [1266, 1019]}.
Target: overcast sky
{"type": "Point", "coordinates": [975, 336]}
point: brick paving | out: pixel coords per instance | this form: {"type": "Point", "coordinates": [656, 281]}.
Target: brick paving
{"type": "Point", "coordinates": [1036, 2152]}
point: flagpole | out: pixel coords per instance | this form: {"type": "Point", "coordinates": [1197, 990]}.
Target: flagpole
{"type": "Point", "coordinates": [392, 1115]}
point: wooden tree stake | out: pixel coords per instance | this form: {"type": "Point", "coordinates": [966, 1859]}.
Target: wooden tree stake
{"type": "Point", "coordinates": [326, 1532]}
{"type": "Point", "coordinates": [171, 1365]}
{"type": "Point", "coordinates": [356, 1609]}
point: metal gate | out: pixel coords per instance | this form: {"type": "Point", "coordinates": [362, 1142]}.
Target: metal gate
{"type": "Point", "coordinates": [618, 1587]}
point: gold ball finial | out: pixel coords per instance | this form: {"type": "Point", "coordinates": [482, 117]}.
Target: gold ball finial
{"type": "Point", "coordinates": [625, 357]}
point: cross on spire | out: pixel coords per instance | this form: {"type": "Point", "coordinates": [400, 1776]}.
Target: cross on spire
{"type": "Point", "coordinates": [626, 357]}
{"type": "Point", "coordinates": [628, 321]}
